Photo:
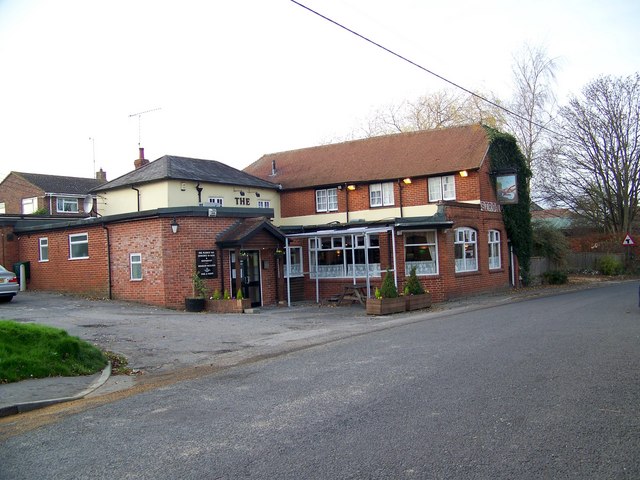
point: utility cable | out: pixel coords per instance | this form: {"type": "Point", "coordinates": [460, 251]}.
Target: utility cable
{"type": "Point", "coordinates": [405, 59]}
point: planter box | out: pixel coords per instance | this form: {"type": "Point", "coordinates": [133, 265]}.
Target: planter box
{"type": "Point", "coordinates": [228, 306]}
{"type": "Point", "coordinates": [416, 302]}
{"type": "Point", "coordinates": [194, 304]}
{"type": "Point", "coordinates": [385, 306]}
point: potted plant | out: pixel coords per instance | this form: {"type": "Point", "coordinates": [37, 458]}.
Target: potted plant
{"type": "Point", "coordinates": [386, 299]}
{"type": "Point", "coordinates": [196, 303]}
{"type": "Point", "coordinates": [415, 296]}
{"type": "Point", "coordinates": [224, 303]}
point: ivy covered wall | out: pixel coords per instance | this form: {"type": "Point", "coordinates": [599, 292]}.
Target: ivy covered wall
{"type": "Point", "coordinates": [505, 155]}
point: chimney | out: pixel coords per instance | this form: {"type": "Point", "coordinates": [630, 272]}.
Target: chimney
{"type": "Point", "coordinates": [101, 175]}
{"type": "Point", "coordinates": [141, 161]}
{"type": "Point", "coordinates": [273, 168]}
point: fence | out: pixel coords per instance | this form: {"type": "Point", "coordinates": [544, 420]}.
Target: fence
{"type": "Point", "coordinates": [576, 262]}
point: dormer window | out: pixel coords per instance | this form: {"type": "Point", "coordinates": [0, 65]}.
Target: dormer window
{"type": "Point", "coordinates": [442, 188]}
{"type": "Point", "coordinates": [381, 194]}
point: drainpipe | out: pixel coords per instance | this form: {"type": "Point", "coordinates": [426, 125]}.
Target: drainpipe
{"type": "Point", "coordinates": [108, 259]}
{"type": "Point", "coordinates": [134, 188]}
{"type": "Point", "coordinates": [347, 201]}
{"type": "Point", "coordinates": [400, 191]}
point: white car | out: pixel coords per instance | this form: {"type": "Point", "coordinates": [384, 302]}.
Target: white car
{"type": "Point", "coordinates": [8, 284]}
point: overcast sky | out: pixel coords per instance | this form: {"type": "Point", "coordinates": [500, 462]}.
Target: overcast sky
{"type": "Point", "coordinates": [233, 80]}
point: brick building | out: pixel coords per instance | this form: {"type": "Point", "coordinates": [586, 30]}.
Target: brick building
{"type": "Point", "coordinates": [353, 210]}
{"type": "Point", "coordinates": [54, 195]}
{"type": "Point", "coordinates": [296, 225]}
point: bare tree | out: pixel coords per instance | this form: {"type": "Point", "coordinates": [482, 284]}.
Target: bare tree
{"type": "Point", "coordinates": [533, 102]}
{"type": "Point", "coordinates": [598, 170]}
{"type": "Point", "coordinates": [440, 109]}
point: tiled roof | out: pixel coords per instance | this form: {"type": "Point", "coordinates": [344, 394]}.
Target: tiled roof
{"type": "Point", "coordinates": [171, 167]}
{"type": "Point", "coordinates": [60, 184]}
{"type": "Point", "coordinates": [428, 152]}
{"type": "Point", "coordinates": [244, 230]}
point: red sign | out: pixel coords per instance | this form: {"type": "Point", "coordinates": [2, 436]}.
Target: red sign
{"type": "Point", "coordinates": [628, 241]}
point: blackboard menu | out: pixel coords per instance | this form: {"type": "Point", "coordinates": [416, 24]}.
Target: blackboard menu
{"type": "Point", "coordinates": [207, 263]}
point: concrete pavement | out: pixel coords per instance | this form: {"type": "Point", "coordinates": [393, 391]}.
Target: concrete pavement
{"type": "Point", "coordinates": [158, 341]}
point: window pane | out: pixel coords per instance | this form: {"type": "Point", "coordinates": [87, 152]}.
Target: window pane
{"type": "Point", "coordinates": [448, 188]}
{"type": "Point", "coordinates": [332, 199]}
{"type": "Point", "coordinates": [387, 193]}
{"type": "Point", "coordinates": [321, 200]}
{"type": "Point", "coordinates": [435, 193]}
{"type": "Point", "coordinates": [375, 194]}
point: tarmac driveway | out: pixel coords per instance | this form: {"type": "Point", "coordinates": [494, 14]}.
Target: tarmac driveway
{"type": "Point", "coordinates": [157, 339]}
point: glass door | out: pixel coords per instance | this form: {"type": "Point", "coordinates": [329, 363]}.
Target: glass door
{"type": "Point", "coordinates": [249, 274]}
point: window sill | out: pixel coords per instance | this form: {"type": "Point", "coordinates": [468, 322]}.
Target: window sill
{"type": "Point", "coordinates": [78, 258]}
{"type": "Point", "coordinates": [467, 274]}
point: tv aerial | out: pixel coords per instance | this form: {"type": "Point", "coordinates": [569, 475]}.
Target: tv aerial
{"type": "Point", "coordinates": [139, 115]}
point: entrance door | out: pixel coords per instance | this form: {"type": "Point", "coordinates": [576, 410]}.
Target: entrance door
{"type": "Point", "coordinates": [250, 275]}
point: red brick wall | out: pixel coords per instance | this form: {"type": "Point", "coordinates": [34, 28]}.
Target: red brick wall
{"type": "Point", "coordinates": [14, 188]}
{"type": "Point", "coordinates": [83, 276]}
{"type": "Point", "coordinates": [9, 247]}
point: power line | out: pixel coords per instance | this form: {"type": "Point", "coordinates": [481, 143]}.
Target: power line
{"type": "Point", "coordinates": [405, 59]}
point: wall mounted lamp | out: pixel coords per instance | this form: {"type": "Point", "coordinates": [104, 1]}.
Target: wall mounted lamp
{"type": "Point", "coordinates": [351, 187]}
{"type": "Point", "coordinates": [406, 181]}
{"type": "Point", "coordinates": [464, 173]}
{"type": "Point", "coordinates": [258, 194]}
{"type": "Point", "coordinates": [241, 193]}
{"type": "Point", "coordinates": [174, 225]}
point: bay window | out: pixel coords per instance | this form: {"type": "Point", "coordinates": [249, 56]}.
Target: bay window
{"type": "Point", "coordinates": [344, 256]}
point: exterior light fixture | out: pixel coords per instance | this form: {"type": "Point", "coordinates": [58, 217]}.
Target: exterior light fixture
{"type": "Point", "coordinates": [174, 225]}
{"type": "Point", "coordinates": [241, 193]}
{"type": "Point", "coordinates": [258, 194]}
{"type": "Point", "coordinates": [406, 181]}
{"type": "Point", "coordinates": [464, 173]}
{"type": "Point", "coordinates": [351, 187]}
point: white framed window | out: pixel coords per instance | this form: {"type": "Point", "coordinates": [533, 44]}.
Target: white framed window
{"type": "Point", "coordinates": [466, 250]}
{"type": "Point", "coordinates": [421, 252]}
{"type": "Point", "coordinates": [215, 201]}
{"type": "Point", "coordinates": [66, 205]}
{"type": "Point", "coordinates": [2, 208]}
{"type": "Point", "coordinates": [494, 249]}
{"type": "Point", "coordinates": [44, 249]}
{"type": "Point", "coordinates": [327, 200]}
{"type": "Point", "coordinates": [29, 205]}
{"type": "Point", "coordinates": [264, 203]}
{"type": "Point", "coordinates": [295, 270]}
{"type": "Point", "coordinates": [442, 188]}
{"type": "Point", "coordinates": [347, 256]}
{"type": "Point", "coordinates": [381, 194]}
{"type": "Point", "coordinates": [78, 246]}
{"type": "Point", "coordinates": [135, 266]}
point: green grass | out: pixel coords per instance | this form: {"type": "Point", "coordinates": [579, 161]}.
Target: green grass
{"type": "Point", "coordinates": [37, 351]}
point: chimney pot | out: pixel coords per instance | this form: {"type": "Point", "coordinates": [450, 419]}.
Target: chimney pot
{"type": "Point", "coordinates": [141, 161]}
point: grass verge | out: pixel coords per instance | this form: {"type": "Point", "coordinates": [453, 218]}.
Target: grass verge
{"type": "Point", "coordinates": [37, 351]}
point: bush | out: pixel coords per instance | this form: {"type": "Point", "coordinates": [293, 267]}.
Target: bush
{"type": "Point", "coordinates": [610, 265]}
{"type": "Point", "coordinates": [555, 277]}
{"type": "Point", "coordinates": [388, 288]}
{"type": "Point", "coordinates": [413, 285]}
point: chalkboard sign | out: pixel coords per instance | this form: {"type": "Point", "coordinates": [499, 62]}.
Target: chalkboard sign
{"type": "Point", "coordinates": [207, 263]}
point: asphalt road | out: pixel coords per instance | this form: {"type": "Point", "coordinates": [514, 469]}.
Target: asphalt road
{"type": "Point", "coordinates": [546, 388]}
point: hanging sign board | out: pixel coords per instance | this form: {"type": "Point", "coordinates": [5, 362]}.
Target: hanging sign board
{"type": "Point", "coordinates": [507, 188]}
{"type": "Point", "coordinates": [628, 241]}
{"type": "Point", "coordinates": [207, 263]}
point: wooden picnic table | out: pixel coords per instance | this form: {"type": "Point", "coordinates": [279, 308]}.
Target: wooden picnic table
{"type": "Point", "coordinates": [355, 292]}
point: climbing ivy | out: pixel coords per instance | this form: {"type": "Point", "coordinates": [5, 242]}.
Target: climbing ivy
{"type": "Point", "coordinates": [504, 154]}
